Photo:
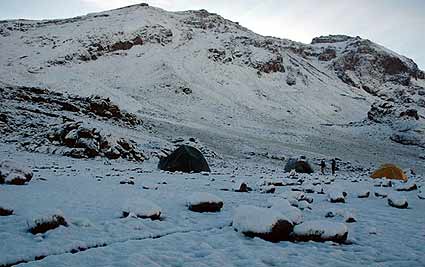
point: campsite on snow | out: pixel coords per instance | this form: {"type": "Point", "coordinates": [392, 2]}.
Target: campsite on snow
{"type": "Point", "coordinates": [144, 137]}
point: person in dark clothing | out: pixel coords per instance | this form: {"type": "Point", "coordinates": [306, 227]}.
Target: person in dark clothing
{"type": "Point", "coordinates": [322, 166]}
{"type": "Point", "coordinates": [333, 165]}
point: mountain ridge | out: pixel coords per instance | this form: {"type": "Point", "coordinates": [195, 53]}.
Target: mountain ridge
{"type": "Point", "coordinates": [199, 71]}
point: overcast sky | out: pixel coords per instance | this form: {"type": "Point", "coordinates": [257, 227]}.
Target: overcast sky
{"type": "Point", "coordinates": [396, 24]}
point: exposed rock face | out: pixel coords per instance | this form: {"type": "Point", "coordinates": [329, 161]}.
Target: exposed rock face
{"type": "Point", "coordinates": [327, 55]}
{"type": "Point", "coordinates": [89, 143]}
{"type": "Point", "coordinates": [329, 39]}
{"type": "Point", "coordinates": [42, 121]}
{"type": "Point", "coordinates": [412, 113]}
{"type": "Point", "coordinates": [381, 111]}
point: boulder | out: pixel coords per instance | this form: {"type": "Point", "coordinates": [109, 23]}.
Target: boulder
{"type": "Point", "coordinates": [14, 173]}
{"type": "Point", "coordinates": [264, 223]}
{"type": "Point", "coordinates": [397, 201]}
{"type": "Point", "coordinates": [363, 194]}
{"type": "Point", "coordinates": [283, 206]}
{"type": "Point", "coordinates": [204, 202]}
{"type": "Point", "coordinates": [409, 186]}
{"type": "Point", "coordinates": [5, 211]}
{"type": "Point", "coordinates": [320, 231]}
{"type": "Point", "coordinates": [42, 224]}
{"type": "Point", "coordinates": [141, 208]}
{"type": "Point", "coordinates": [336, 196]}
{"type": "Point", "coordinates": [242, 187]}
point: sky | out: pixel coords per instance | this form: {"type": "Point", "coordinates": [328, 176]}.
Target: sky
{"type": "Point", "coordinates": [395, 24]}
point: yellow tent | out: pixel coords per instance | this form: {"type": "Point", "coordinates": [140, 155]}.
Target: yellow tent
{"type": "Point", "coordinates": [389, 171]}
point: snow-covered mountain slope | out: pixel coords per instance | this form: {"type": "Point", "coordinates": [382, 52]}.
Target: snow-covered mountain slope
{"type": "Point", "coordinates": [197, 74]}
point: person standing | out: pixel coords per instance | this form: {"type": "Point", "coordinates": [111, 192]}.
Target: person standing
{"type": "Point", "coordinates": [322, 166]}
{"type": "Point", "coordinates": [333, 165]}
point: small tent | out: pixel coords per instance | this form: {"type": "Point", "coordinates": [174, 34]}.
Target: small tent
{"type": "Point", "coordinates": [299, 165]}
{"type": "Point", "coordinates": [389, 171]}
{"type": "Point", "coordinates": [185, 159]}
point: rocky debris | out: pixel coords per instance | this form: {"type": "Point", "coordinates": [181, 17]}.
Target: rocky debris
{"type": "Point", "coordinates": [336, 196]}
{"type": "Point", "coordinates": [409, 186]}
{"type": "Point", "coordinates": [5, 211]}
{"type": "Point", "coordinates": [410, 113]}
{"type": "Point", "coordinates": [381, 111]}
{"type": "Point", "coordinates": [291, 79]}
{"type": "Point", "coordinates": [320, 231]}
{"type": "Point", "coordinates": [242, 187]}
{"type": "Point", "coordinates": [184, 90]}
{"type": "Point", "coordinates": [45, 223]}
{"type": "Point", "coordinates": [327, 55]}
{"type": "Point", "coordinates": [330, 39]}
{"type": "Point", "coordinates": [89, 143]}
{"type": "Point", "coordinates": [108, 44]}
{"type": "Point", "coordinates": [44, 120]}
{"type": "Point", "coordinates": [269, 189]}
{"type": "Point", "coordinates": [49, 104]}
{"type": "Point", "coordinates": [202, 20]}
{"type": "Point", "coordinates": [14, 173]}
{"type": "Point", "coordinates": [130, 182]}
{"type": "Point", "coordinates": [350, 218]}
{"type": "Point", "coordinates": [204, 202]}
{"type": "Point", "coordinates": [397, 201]}
{"type": "Point", "coordinates": [215, 54]}
{"type": "Point", "coordinates": [264, 223]}
{"type": "Point", "coordinates": [421, 194]}
{"type": "Point", "coordinates": [380, 194]}
{"type": "Point", "coordinates": [273, 65]}
{"type": "Point", "coordinates": [363, 194]}
{"type": "Point", "coordinates": [141, 208]}
{"type": "Point", "coordinates": [105, 108]}
{"type": "Point", "coordinates": [412, 138]}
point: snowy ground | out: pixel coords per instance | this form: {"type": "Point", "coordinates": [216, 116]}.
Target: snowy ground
{"type": "Point", "coordinates": [90, 195]}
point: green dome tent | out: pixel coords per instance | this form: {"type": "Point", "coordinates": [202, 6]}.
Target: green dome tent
{"type": "Point", "coordinates": [185, 159]}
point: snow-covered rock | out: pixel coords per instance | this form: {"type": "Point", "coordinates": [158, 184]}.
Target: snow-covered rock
{"type": "Point", "coordinates": [241, 186]}
{"type": "Point", "coordinates": [408, 186]}
{"type": "Point", "coordinates": [397, 200]}
{"type": "Point", "coordinates": [14, 173]}
{"type": "Point", "coordinates": [41, 223]}
{"type": "Point", "coordinates": [270, 189]}
{"type": "Point", "coordinates": [321, 231]}
{"type": "Point", "coordinates": [265, 223]}
{"type": "Point", "coordinates": [204, 202]}
{"type": "Point", "coordinates": [364, 193]}
{"type": "Point", "coordinates": [349, 217]}
{"type": "Point", "coordinates": [380, 193]}
{"type": "Point", "coordinates": [336, 196]}
{"type": "Point", "coordinates": [141, 208]}
{"type": "Point", "coordinates": [5, 211]}
{"type": "Point", "coordinates": [283, 206]}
